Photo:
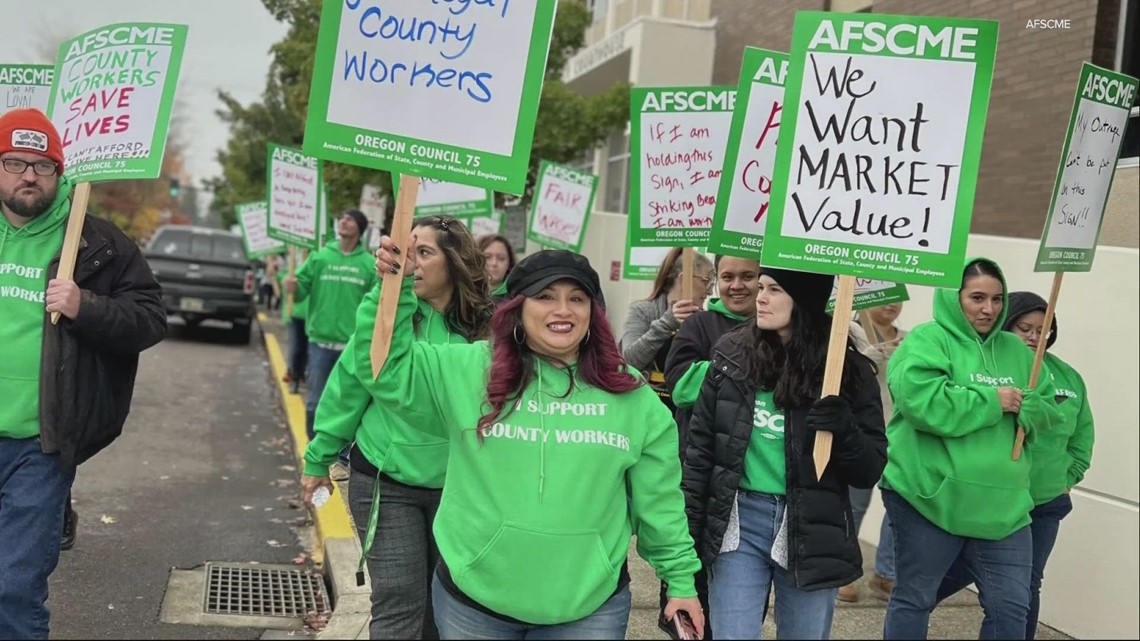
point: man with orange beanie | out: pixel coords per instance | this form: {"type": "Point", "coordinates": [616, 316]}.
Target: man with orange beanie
{"type": "Point", "coordinates": [66, 388]}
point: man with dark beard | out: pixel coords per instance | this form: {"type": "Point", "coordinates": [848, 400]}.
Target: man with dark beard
{"type": "Point", "coordinates": [65, 389]}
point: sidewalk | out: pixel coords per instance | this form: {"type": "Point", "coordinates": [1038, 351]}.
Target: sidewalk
{"type": "Point", "coordinates": [960, 617]}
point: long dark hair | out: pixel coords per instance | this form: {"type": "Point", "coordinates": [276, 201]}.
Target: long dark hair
{"type": "Point", "coordinates": [599, 365]}
{"type": "Point", "coordinates": [469, 312]}
{"type": "Point", "coordinates": [486, 240]}
{"type": "Point", "coordinates": [792, 371]}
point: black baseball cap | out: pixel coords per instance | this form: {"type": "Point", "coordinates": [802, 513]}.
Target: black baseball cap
{"type": "Point", "coordinates": [537, 271]}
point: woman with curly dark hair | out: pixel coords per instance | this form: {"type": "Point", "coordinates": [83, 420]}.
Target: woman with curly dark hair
{"type": "Point", "coordinates": [398, 470]}
{"type": "Point", "coordinates": [559, 452]}
{"type": "Point", "coordinates": [759, 516]}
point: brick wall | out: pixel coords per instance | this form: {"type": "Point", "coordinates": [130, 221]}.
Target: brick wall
{"type": "Point", "coordinates": [752, 23]}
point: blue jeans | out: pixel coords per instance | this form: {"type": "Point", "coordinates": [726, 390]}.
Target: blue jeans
{"type": "Point", "coordinates": [885, 554]}
{"type": "Point", "coordinates": [321, 362]}
{"type": "Point", "coordinates": [925, 554]}
{"type": "Point", "coordinates": [739, 582]}
{"type": "Point", "coordinates": [298, 348]}
{"type": "Point", "coordinates": [458, 621]}
{"type": "Point", "coordinates": [33, 489]}
{"type": "Point", "coordinates": [1046, 523]}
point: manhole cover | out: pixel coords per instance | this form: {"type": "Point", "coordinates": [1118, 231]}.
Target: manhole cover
{"type": "Point", "coordinates": [244, 589]}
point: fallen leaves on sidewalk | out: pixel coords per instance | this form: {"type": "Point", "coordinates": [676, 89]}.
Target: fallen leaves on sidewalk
{"type": "Point", "coordinates": [273, 543]}
{"type": "Point", "coordinates": [301, 558]}
{"type": "Point", "coordinates": [107, 519]}
{"type": "Point", "coordinates": [317, 620]}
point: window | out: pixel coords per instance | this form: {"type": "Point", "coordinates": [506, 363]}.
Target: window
{"type": "Point", "coordinates": [617, 174]}
{"type": "Point", "coordinates": [189, 244]}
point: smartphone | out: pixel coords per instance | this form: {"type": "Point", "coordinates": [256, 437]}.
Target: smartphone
{"type": "Point", "coordinates": [683, 625]}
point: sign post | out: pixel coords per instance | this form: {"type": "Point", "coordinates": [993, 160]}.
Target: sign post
{"type": "Point", "coordinates": [454, 100]}
{"type": "Point", "coordinates": [1099, 116]}
{"type": "Point", "coordinates": [560, 210]}
{"type": "Point", "coordinates": [111, 102]}
{"type": "Point", "coordinates": [878, 155]}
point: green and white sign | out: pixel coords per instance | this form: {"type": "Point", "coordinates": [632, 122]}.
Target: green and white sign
{"type": "Point", "coordinates": [441, 198]}
{"type": "Point", "coordinates": [871, 293]}
{"type": "Point", "coordinates": [111, 101]}
{"type": "Point", "coordinates": [254, 221]}
{"type": "Point", "coordinates": [1088, 163]}
{"type": "Point", "coordinates": [294, 186]}
{"type": "Point", "coordinates": [444, 90]}
{"type": "Point", "coordinates": [677, 141]}
{"type": "Point", "coordinates": [560, 209]}
{"type": "Point", "coordinates": [25, 86]}
{"type": "Point", "coordinates": [642, 263]}
{"type": "Point", "coordinates": [484, 225]}
{"type": "Point", "coordinates": [877, 165]}
{"type": "Point", "coordinates": [741, 205]}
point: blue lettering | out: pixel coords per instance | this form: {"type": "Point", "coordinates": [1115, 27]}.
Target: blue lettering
{"type": "Point", "coordinates": [464, 5]}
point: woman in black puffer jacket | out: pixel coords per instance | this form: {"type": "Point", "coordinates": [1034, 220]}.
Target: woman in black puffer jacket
{"type": "Point", "coordinates": [757, 513]}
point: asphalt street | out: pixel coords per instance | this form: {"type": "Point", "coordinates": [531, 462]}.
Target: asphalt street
{"type": "Point", "coordinates": [203, 472]}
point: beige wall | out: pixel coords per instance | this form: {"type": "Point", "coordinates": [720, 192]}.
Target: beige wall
{"type": "Point", "coordinates": [1121, 226]}
{"type": "Point", "coordinates": [1090, 590]}
{"type": "Point", "coordinates": [669, 54]}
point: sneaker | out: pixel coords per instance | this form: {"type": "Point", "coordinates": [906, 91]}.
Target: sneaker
{"type": "Point", "coordinates": [848, 593]}
{"type": "Point", "coordinates": [339, 472]}
{"type": "Point", "coordinates": [881, 587]}
{"type": "Point", "coordinates": [70, 521]}
{"type": "Point", "coordinates": [294, 386]}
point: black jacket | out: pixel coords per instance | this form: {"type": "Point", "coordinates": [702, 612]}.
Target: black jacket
{"type": "Point", "coordinates": [823, 546]}
{"type": "Point", "coordinates": [88, 366]}
{"type": "Point", "coordinates": [693, 342]}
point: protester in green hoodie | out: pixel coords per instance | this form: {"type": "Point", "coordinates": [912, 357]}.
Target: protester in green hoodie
{"type": "Point", "coordinates": [558, 455]}
{"type": "Point", "coordinates": [293, 318]}
{"type": "Point", "coordinates": [1059, 457]}
{"type": "Point", "coordinates": [951, 488]}
{"type": "Point", "coordinates": [397, 469]}
{"type": "Point", "coordinates": [334, 280]}
{"type": "Point", "coordinates": [499, 258]}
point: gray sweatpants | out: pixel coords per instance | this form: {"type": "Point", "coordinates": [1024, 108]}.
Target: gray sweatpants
{"type": "Point", "coordinates": [403, 556]}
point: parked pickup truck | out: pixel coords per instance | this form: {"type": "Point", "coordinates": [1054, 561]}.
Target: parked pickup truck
{"type": "Point", "coordinates": [204, 275]}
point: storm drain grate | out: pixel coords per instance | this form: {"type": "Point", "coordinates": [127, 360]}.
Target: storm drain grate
{"type": "Point", "coordinates": [254, 591]}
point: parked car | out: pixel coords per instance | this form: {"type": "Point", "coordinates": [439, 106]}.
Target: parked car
{"type": "Point", "coordinates": [204, 274]}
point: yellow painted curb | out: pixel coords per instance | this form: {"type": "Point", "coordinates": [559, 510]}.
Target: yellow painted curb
{"type": "Point", "coordinates": [333, 519]}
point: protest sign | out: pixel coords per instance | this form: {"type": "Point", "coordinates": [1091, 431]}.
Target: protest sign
{"type": "Point", "coordinates": [294, 188]}
{"type": "Point", "coordinates": [642, 263]}
{"type": "Point", "coordinates": [373, 204]}
{"type": "Point", "coordinates": [1097, 121]}
{"type": "Point", "coordinates": [560, 209]}
{"type": "Point", "coordinates": [442, 198]}
{"type": "Point", "coordinates": [111, 101]}
{"type": "Point", "coordinates": [871, 293]}
{"type": "Point", "coordinates": [741, 204]}
{"type": "Point", "coordinates": [484, 225]}
{"type": "Point", "coordinates": [444, 90]}
{"type": "Point", "coordinates": [25, 86]}
{"type": "Point", "coordinates": [677, 140]}
{"type": "Point", "coordinates": [877, 165]}
{"type": "Point", "coordinates": [254, 224]}
{"type": "Point", "coordinates": [1088, 164]}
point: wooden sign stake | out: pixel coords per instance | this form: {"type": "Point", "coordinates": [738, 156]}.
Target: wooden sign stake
{"type": "Point", "coordinates": [392, 283]}
{"type": "Point", "coordinates": [70, 252]}
{"type": "Point", "coordinates": [1039, 357]}
{"type": "Point", "coordinates": [868, 328]}
{"type": "Point", "coordinates": [688, 264]}
{"type": "Point", "coordinates": [833, 371]}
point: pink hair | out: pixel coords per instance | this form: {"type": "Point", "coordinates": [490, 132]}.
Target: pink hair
{"type": "Point", "coordinates": [599, 362]}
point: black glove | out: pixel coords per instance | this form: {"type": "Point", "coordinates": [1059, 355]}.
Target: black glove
{"type": "Point", "coordinates": [831, 414]}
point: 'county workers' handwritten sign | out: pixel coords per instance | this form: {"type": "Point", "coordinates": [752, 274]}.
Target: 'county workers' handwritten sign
{"type": "Point", "coordinates": [877, 164]}
{"type": "Point", "coordinates": [743, 201]}
{"type": "Point", "coordinates": [560, 209]}
{"type": "Point", "coordinates": [111, 101]}
{"type": "Point", "coordinates": [677, 142]}
{"type": "Point", "coordinates": [445, 90]}
{"type": "Point", "coordinates": [1088, 164]}
{"type": "Point", "coordinates": [25, 86]}
{"type": "Point", "coordinates": [294, 192]}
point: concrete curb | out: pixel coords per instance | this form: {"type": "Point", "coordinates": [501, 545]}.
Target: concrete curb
{"type": "Point", "coordinates": [336, 547]}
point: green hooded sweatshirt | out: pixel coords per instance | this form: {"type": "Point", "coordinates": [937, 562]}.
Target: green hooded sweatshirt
{"type": "Point", "coordinates": [346, 413]}
{"type": "Point", "coordinates": [689, 385]}
{"type": "Point", "coordinates": [300, 308]}
{"type": "Point", "coordinates": [949, 440]}
{"type": "Point", "coordinates": [1062, 454]}
{"type": "Point", "coordinates": [25, 255]}
{"type": "Point", "coordinates": [334, 284]}
{"type": "Point", "coordinates": [535, 521]}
